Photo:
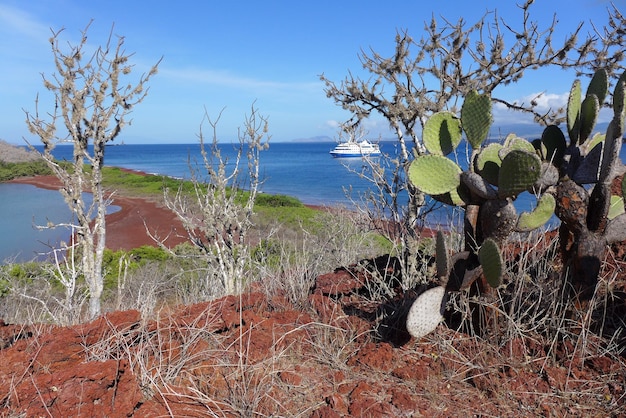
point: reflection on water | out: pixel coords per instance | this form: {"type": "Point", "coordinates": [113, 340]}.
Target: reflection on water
{"type": "Point", "coordinates": [22, 208]}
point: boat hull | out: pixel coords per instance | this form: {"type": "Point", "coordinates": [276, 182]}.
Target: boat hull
{"type": "Point", "coordinates": [354, 154]}
{"type": "Point", "coordinates": [355, 149]}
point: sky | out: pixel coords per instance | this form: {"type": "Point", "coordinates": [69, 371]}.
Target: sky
{"type": "Point", "coordinates": [224, 57]}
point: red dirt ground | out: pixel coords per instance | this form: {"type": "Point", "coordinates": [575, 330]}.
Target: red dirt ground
{"type": "Point", "coordinates": [259, 355]}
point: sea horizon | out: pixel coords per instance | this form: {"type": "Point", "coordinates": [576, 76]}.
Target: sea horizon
{"type": "Point", "coordinates": [304, 170]}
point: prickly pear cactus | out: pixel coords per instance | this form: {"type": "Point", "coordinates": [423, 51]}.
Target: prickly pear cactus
{"type": "Point", "coordinates": [542, 213]}
{"type": "Point", "coordinates": [573, 112]}
{"type": "Point", "coordinates": [599, 85]}
{"type": "Point", "coordinates": [488, 163]}
{"type": "Point", "coordinates": [476, 117]}
{"type": "Point", "coordinates": [554, 145]}
{"type": "Point", "coordinates": [555, 169]}
{"type": "Point", "coordinates": [519, 172]}
{"type": "Point", "coordinates": [441, 255]}
{"type": "Point", "coordinates": [442, 133]}
{"type": "Point", "coordinates": [497, 174]}
{"type": "Point", "coordinates": [426, 312]}
{"type": "Point", "coordinates": [589, 220]}
{"type": "Point", "coordinates": [434, 174]}
{"type": "Point", "coordinates": [491, 262]}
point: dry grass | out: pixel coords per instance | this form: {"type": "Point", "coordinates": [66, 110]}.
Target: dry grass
{"type": "Point", "coordinates": [521, 349]}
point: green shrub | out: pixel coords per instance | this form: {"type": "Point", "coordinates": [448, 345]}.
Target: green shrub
{"type": "Point", "coordinates": [10, 171]}
{"type": "Point", "coordinates": [132, 260]}
{"type": "Point", "coordinates": [278, 200]}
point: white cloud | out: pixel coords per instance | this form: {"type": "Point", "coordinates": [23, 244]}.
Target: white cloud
{"type": "Point", "coordinates": [230, 80]}
{"type": "Point", "coordinates": [18, 24]}
{"type": "Point", "coordinates": [373, 127]}
{"type": "Point", "coordinates": [544, 101]}
{"type": "Point", "coordinates": [333, 124]}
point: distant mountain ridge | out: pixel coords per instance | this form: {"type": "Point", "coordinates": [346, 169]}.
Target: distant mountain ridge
{"type": "Point", "coordinates": [529, 131]}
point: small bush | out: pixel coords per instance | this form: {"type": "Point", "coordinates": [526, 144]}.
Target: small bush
{"type": "Point", "coordinates": [278, 200]}
{"type": "Point", "coordinates": [10, 171]}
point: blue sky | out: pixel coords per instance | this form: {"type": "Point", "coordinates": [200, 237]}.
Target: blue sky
{"type": "Point", "coordinates": [230, 54]}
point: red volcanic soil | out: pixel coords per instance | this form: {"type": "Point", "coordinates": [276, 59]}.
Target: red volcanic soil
{"type": "Point", "coordinates": [329, 355]}
{"type": "Point", "coordinates": [125, 228]}
{"type": "Point", "coordinates": [259, 355]}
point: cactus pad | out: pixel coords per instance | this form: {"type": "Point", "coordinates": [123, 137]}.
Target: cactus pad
{"type": "Point", "coordinates": [441, 255]}
{"type": "Point", "coordinates": [478, 185]}
{"type": "Point", "coordinates": [619, 98]}
{"type": "Point", "coordinates": [442, 133]}
{"type": "Point", "coordinates": [491, 261]}
{"type": "Point", "coordinates": [539, 216]}
{"type": "Point", "coordinates": [587, 171]}
{"type": "Point", "coordinates": [592, 142]}
{"type": "Point", "coordinates": [426, 312]}
{"type": "Point", "coordinates": [549, 176]}
{"type": "Point", "coordinates": [476, 117]}
{"type": "Point", "coordinates": [573, 112]}
{"type": "Point", "coordinates": [612, 146]}
{"type": "Point", "coordinates": [488, 162]}
{"type": "Point", "coordinates": [599, 85]}
{"type": "Point", "coordinates": [616, 208]}
{"type": "Point", "coordinates": [589, 111]}
{"type": "Point", "coordinates": [434, 174]}
{"type": "Point", "coordinates": [555, 144]}
{"type": "Point", "coordinates": [515, 142]}
{"type": "Point", "coordinates": [498, 219]}
{"type": "Point", "coordinates": [455, 197]}
{"type": "Point", "coordinates": [519, 172]}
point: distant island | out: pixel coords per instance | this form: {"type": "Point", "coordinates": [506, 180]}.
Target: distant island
{"type": "Point", "coordinates": [497, 133]}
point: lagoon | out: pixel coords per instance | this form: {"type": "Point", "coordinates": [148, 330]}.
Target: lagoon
{"type": "Point", "coordinates": [304, 170]}
{"type": "Point", "coordinates": [22, 208]}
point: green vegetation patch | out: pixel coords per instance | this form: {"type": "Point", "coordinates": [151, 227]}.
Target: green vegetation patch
{"type": "Point", "coordinates": [140, 183]}
{"type": "Point", "coordinates": [10, 171]}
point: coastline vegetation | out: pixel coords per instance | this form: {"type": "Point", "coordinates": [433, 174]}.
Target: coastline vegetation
{"type": "Point", "coordinates": [502, 280]}
{"type": "Point", "coordinates": [12, 170]}
{"type": "Point", "coordinates": [286, 232]}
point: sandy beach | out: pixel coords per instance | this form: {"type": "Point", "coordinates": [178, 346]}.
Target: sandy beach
{"type": "Point", "coordinates": [125, 228]}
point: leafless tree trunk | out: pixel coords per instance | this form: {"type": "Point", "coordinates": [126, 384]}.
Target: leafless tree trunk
{"type": "Point", "coordinates": [217, 216]}
{"type": "Point", "coordinates": [92, 103]}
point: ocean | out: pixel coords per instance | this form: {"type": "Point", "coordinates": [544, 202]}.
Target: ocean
{"type": "Point", "coordinates": [304, 170]}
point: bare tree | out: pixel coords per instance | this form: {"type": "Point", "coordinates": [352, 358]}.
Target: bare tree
{"type": "Point", "coordinates": [92, 103]}
{"type": "Point", "coordinates": [217, 215]}
{"type": "Point", "coordinates": [453, 59]}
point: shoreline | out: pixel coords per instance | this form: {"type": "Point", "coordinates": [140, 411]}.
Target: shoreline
{"type": "Point", "coordinates": [125, 228]}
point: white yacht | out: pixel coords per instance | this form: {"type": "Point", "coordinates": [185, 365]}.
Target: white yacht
{"type": "Point", "coordinates": [355, 149]}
